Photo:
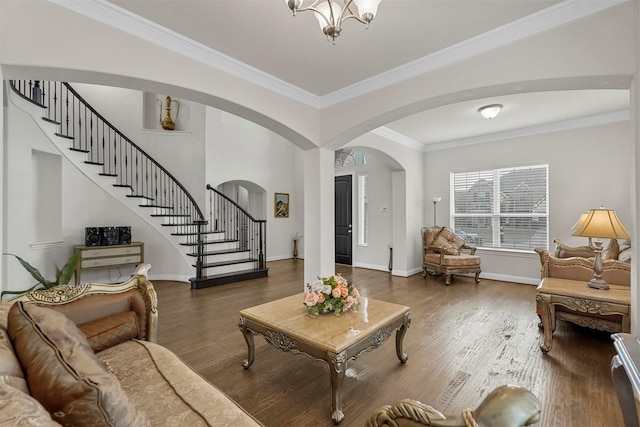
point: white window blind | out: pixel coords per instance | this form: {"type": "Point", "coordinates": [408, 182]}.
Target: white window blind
{"type": "Point", "coordinates": [503, 208]}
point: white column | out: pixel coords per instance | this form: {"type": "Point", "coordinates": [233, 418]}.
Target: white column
{"type": "Point", "coordinates": [635, 233]}
{"type": "Point", "coordinates": [319, 214]}
{"type": "Point", "coordinates": [2, 142]}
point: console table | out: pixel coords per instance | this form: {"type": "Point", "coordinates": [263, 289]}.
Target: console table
{"type": "Point", "coordinates": [605, 310]}
{"type": "Point", "coordinates": [95, 257]}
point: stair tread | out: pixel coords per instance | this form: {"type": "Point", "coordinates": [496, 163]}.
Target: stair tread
{"type": "Point", "coordinates": [61, 135]}
{"type": "Point", "coordinates": [168, 214]}
{"type": "Point", "coordinates": [211, 242]}
{"type": "Point", "coordinates": [48, 120]}
{"type": "Point", "coordinates": [156, 206]}
{"type": "Point", "coordinates": [78, 150]}
{"type": "Point", "coordinates": [139, 196]}
{"type": "Point", "coordinates": [195, 234]}
{"type": "Point", "coordinates": [107, 174]}
{"type": "Point", "coordinates": [220, 252]}
{"type": "Point", "coordinates": [230, 262]}
{"type": "Point", "coordinates": [233, 273]}
{"type": "Point", "coordinates": [89, 162]}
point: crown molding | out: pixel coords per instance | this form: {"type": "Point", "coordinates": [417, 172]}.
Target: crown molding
{"type": "Point", "coordinates": [399, 138]}
{"type": "Point", "coordinates": [582, 122]}
{"type": "Point", "coordinates": [595, 120]}
{"type": "Point", "coordinates": [122, 19]}
{"type": "Point", "coordinates": [543, 20]}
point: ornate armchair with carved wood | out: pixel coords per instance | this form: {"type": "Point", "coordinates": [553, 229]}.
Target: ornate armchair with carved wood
{"type": "Point", "coordinates": [506, 406]}
{"type": "Point", "coordinates": [446, 253]}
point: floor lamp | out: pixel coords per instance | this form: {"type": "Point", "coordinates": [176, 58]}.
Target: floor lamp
{"type": "Point", "coordinates": [435, 201]}
{"type": "Point", "coordinates": [600, 223]}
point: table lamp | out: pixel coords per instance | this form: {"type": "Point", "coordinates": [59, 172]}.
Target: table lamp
{"type": "Point", "coordinates": [598, 224]}
{"type": "Point", "coordinates": [579, 224]}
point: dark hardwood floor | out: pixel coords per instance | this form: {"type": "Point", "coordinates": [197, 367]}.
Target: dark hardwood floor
{"type": "Point", "coordinates": [464, 341]}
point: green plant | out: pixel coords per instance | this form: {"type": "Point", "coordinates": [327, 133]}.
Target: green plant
{"type": "Point", "coordinates": [63, 276]}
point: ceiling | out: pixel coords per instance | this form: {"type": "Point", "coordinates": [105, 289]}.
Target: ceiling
{"type": "Point", "coordinates": [264, 35]}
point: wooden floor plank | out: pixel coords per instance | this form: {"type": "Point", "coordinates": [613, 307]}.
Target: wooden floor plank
{"type": "Point", "coordinates": [464, 341]}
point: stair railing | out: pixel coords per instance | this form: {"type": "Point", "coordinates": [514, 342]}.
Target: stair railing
{"type": "Point", "coordinates": [225, 216]}
{"type": "Point", "coordinates": [118, 156]}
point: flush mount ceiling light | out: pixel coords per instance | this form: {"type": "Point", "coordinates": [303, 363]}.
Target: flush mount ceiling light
{"type": "Point", "coordinates": [330, 13]}
{"type": "Point", "coordinates": [490, 111]}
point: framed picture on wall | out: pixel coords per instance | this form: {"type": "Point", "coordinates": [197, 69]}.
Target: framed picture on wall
{"type": "Point", "coordinates": [281, 205]}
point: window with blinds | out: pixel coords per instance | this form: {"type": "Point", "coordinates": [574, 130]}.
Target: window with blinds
{"type": "Point", "coordinates": [503, 208]}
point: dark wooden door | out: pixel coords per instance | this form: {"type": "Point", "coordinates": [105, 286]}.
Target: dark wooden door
{"type": "Point", "coordinates": [343, 220]}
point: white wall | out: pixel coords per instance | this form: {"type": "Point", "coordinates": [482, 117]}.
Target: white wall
{"type": "Point", "coordinates": [407, 199]}
{"type": "Point", "coordinates": [588, 167]}
{"type": "Point", "coordinates": [179, 151]}
{"type": "Point", "coordinates": [238, 150]}
{"type": "Point", "coordinates": [84, 204]}
{"type": "Point", "coordinates": [375, 255]}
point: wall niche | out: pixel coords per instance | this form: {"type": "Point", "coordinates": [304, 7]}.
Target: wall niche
{"type": "Point", "coordinates": [154, 106]}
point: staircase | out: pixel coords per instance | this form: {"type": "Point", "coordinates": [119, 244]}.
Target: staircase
{"type": "Point", "coordinates": [228, 245]}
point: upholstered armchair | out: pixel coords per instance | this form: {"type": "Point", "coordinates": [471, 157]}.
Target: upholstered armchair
{"type": "Point", "coordinates": [446, 253]}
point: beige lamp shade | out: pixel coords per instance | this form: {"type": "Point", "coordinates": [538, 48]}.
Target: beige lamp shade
{"type": "Point", "coordinates": [601, 223]}
{"type": "Point", "coordinates": [580, 221]}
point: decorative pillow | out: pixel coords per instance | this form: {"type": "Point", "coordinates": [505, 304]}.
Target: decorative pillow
{"type": "Point", "coordinates": [10, 369]}
{"type": "Point", "coordinates": [63, 373]}
{"type": "Point", "coordinates": [626, 244]}
{"type": "Point", "coordinates": [111, 330]}
{"type": "Point", "coordinates": [564, 251]}
{"type": "Point", "coordinates": [625, 256]}
{"type": "Point", "coordinates": [612, 250]}
{"type": "Point", "coordinates": [448, 240]}
{"type": "Point", "coordinates": [430, 235]}
{"type": "Point", "coordinates": [19, 409]}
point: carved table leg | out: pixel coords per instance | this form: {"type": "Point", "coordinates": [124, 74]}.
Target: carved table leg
{"type": "Point", "coordinates": [624, 391]}
{"type": "Point", "coordinates": [337, 368]}
{"type": "Point", "coordinates": [251, 347]}
{"type": "Point", "coordinates": [402, 330]}
{"type": "Point", "coordinates": [544, 307]}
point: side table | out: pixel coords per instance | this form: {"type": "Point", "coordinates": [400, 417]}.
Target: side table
{"type": "Point", "coordinates": [605, 310]}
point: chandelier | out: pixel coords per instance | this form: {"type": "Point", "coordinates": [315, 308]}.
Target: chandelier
{"type": "Point", "coordinates": [330, 14]}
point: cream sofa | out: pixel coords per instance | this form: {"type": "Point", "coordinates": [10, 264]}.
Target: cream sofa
{"type": "Point", "coordinates": [86, 355]}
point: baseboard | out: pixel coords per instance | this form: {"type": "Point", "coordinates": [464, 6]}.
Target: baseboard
{"type": "Point", "coordinates": [507, 278]}
{"type": "Point", "coordinates": [174, 278]}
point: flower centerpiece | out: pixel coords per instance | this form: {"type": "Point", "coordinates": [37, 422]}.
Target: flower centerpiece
{"type": "Point", "coordinates": [333, 294]}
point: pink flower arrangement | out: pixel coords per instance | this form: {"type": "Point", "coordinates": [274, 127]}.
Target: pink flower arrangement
{"type": "Point", "coordinates": [332, 294]}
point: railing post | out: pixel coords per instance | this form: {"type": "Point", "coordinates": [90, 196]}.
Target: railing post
{"type": "Point", "coordinates": [261, 263]}
{"type": "Point", "coordinates": [199, 252]}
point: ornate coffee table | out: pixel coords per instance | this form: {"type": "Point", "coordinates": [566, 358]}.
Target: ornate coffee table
{"type": "Point", "coordinates": [336, 340]}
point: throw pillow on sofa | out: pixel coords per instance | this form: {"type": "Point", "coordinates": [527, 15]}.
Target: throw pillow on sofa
{"type": "Point", "coordinates": [611, 250]}
{"type": "Point", "coordinates": [10, 369]}
{"type": "Point", "coordinates": [19, 409]}
{"type": "Point", "coordinates": [111, 330]}
{"type": "Point", "coordinates": [448, 241]}
{"type": "Point", "coordinates": [63, 373]}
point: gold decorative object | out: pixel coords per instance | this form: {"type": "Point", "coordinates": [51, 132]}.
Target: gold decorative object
{"type": "Point", "coordinates": [167, 123]}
